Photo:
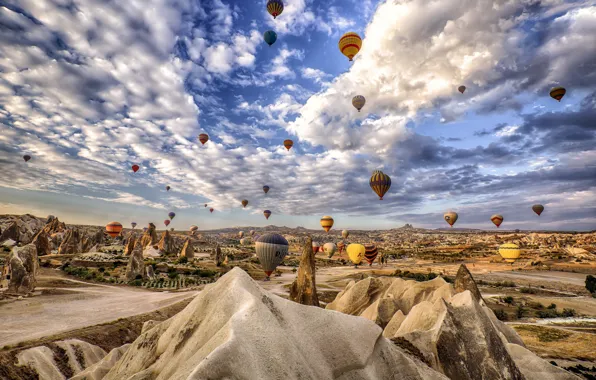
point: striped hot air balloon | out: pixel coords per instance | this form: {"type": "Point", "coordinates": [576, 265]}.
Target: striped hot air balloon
{"type": "Point", "coordinates": [267, 214]}
{"type": "Point", "coordinates": [193, 229]}
{"type": "Point", "coordinates": [497, 219]}
{"type": "Point", "coordinates": [356, 253]}
{"type": "Point", "coordinates": [271, 250]}
{"type": "Point", "coordinates": [315, 247]}
{"type": "Point", "coordinates": [370, 253]}
{"type": "Point", "coordinates": [275, 7]}
{"type": "Point", "coordinates": [244, 203]}
{"type": "Point", "coordinates": [329, 249]}
{"type": "Point", "coordinates": [380, 183]}
{"type": "Point", "coordinates": [326, 223]}
{"type": "Point", "coordinates": [288, 144]}
{"type": "Point", "coordinates": [113, 229]}
{"type": "Point", "coordinates": [349, 44]}
{"type": "Point", "coordinates": [461, 89]}
{"type": "Point", "coordinates": [557, 93]}
{"type": "Point", "coordinates": [340, 247]}
{"type": "Point", "coordinates": [345, 234]}
{"type": "Point", "coordinates": [240, 234]}
{"type": "Point", "coordinates": [538, 209]}
{"type": "Point", "coordinates": [510, 252]}
{"type": "Point", "coordinates": [450, 217]}
{"type": "Point", "coordinates": [203, 138]}
{"type": "Point", "coordinates": [358, 102]}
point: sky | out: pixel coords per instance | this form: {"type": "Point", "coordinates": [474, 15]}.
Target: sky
{"type": "Point", "coordinates": [90, 87]}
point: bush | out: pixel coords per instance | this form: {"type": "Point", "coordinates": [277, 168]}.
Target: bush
{"type": "Point", "coordinates": [508, 300]}
{"type": "Point", "coordinates": [136, 283]}
{"type": "Point", "coordinates": [183, 260]}
{"type": "Point", "coordinates": [569, 313]}
{"type": "Point", "coordinates": [591, 283]}
{"type": "Point", "coordinates": [505, 284]}
{"type": "Point", "coordinates": [528, 291]}
{"type": "Point", "coordinates": [102, 269]}
{"type": "Point", "coordinates": [172, 273]}
{"type": "Point", "coordinates": [549, 313]}
{"type": "Point", "coordinates": [552, 306]}
{"type": "Point", "coordinates": [139, 277]}
{"type": "Point", "coordinates": [501, 314]}
{"type": "Point", "coordinates": [520, 311]}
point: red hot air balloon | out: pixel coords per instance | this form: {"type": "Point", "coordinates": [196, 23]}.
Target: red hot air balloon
{"type": "Point", "coordinates": [113, 229]}
{"type": "Point", "coordinates": [203, 138]}
{"type": "Point", "coordinates": [497, 219]}
{"type": "Point", "coordinates": [135, 168]}
{"type": "Point", "coordinates": [211, 210]}
{"type": "Point", "coordinates": [166, 222]}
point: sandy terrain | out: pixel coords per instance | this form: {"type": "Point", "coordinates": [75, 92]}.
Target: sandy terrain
{"type": "Point", "coordinates": [80, 306]}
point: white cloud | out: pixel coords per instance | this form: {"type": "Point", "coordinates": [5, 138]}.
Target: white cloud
{"type": "Point", "coordinates": [315, 74]}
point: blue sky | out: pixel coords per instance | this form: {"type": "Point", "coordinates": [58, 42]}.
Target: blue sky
{"type": "Point", "coordinates": [90, 87]}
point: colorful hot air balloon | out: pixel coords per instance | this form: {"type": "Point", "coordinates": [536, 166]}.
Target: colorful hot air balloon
{"type": "Point", "coordinates": [288, 144]}
{"type": "Point", "coordinates": [171, 215]}
{"type": "Point", "coordinates": [380, 183]}
{"type": "Point", "coordinates": [326, 223]}
{"type": "Point", "coordinates": [356, 253]}
{"type": "Point", "coordinates": [266, 189]}
{"type": "Point", "coordinates": [345, 234]}
{"type": "Point", "coordinates": [211, 210]}
{"type": "Point", "coordinates": [350, 44]}
{"type": "Point", "coordinates": [244, 203]}
{"type": "Point", "coordinates": [203, 138]}
{"type": "Point", "coordinates": [450, 217]}
{"type": "Point", "coordinates": [193, 229]}
{"type": "Point", "coordinates": [461, 89]}
{"type": "Point", "coordinates": [358, 102]}
{"type": "Point", "coordinates": [135, 168]}
{"type": "Point", "coordinates": [267, 213]}
{"type": "Point", "coordinates": [275, 7]}
{"type": "Point", "coordinates": [315, 247]}
{"type": "Point", "coordinates": [240, 234]}
{"type": "Point", "coordinates": [557, 93]}
{"type": "Point", "coordinates": [497, 219]}
{"type": "Point", "coordinates": [271, 250]}
{"type": "Point", "coordinates": [113, 229]}
{"type": "Point", "coordinates": [270, 37]}
{"type": "Point", "coordinates": [168, 188]}
{"type": "Point", "coordinates": [370, 253]}
{"type": "Point", "coordinates": [510, 252]}
{"type": "Point", "coordinates": [538, 209]}
{"type": "Point", "coordinates": [133, 224]}
{"type": "Point", "coordinates": [26, 157]}
{"type": "Point", "coordinates": [166, 222]}
{"type": "Point", "coordinates": [145, 229]}
{"type": "Point", "coordinates": [252, 232]}
{"type": "Point", "coordinates": [329, 249]}
{"type": "Point", "coordinates": [340, 247]}
{"type": "Point", "coordinates": [244, 241]}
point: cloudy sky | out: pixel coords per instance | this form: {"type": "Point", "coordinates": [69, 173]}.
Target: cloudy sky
{"type": "Point", "coordinates": [90, 87]}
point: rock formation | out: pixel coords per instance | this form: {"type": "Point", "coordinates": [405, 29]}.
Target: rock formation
{"type": "Point", "coordinates": [21, 229]}
{"type": "Point", "coordinates": [23, 267]}
{"type": "Point", "coordinates": [464, 281]}
{"type": "Point", "coordinates": [218, 256]}
{"type": "Point", "coordinates": [304, 290]}
{"type": "Point", "coordinates": [98, 370]}
{"type": "Point", "coordinates": [149, 237]}
{"type": "Point", "coordinates": [149, 272]}
{"type": "Point", "coordinates": [136, 265]}
{"type": "Point", "coordinates": [187, 249]}
{"type": "Point", "coordinates": [193, 344]}
{"type": "Point", "coordinates": [53, 226]}
{"type": "Point", "coordinates": [42, 243]}
{"type": "Point", "coordinates": [130, 244]}
{"type": "Point", "coordinates": [166, 244]}
{"type": "Point", "coordinates": [11, 232]}
{"type": "Point", "coordinates": [71, 243]}
{"type": "Point", "coordinates": [92, 239]}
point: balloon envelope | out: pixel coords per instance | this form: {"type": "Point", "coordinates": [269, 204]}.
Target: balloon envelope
{"type": "Point", "coordinates": [326, 223]}
{"type": "Point", "coordinates": [271, 250]}
{"type": "Point", "coordinates": [240, 234]}
{"type": "Point", "coordinates": [288, 144]}
{"type": "Point", "coordinates": [267, 213]}
{"type": "Point", "coordinates": [358, 102]}
{"type": "Point", "coordinates": [135, 168]}
{"type": "Point", "coordinates": [497, 219]}
{"type": "Point", "coordinates": [461, 89]}
{"type": "Point", "coordinates": [341, 246]}
{"type": "Point", "coordinates": [510, 252]}
{"type": "Point", "coordinates": [266, 189]}
{"type": "Point", "coordinates": [557, 93]}
{"type": "Point", "coordinates": [244, 202]}
{"type": "Point", "coordinates": [450, 217]}
{"type": "Point", "coordinates": [166, 222]}
{"type": "Point", "coordinates": [538, 209]}
{"type": "Point", "coordinates": [315, 247]}
{"type": "Point", "coordinates": [203, 138]}
{"type": "Point", "coordinates": [356, 253]}
{"type": "Point", "coordinates": [270, 37]}
{"type": "Point", "coordinates": [345, 234]}
{"type": "Point", "coordinates": [275, 7]}
{"type": "Point", "coordinates": [380, 183]}
{"type": "Point", "coordinates": [171, 215]}
{"type": "Point", "coordinates": [211, 210]}
{"type": "Point", "coordinates": [26, 157]}
{"type": "Point", "coordinates": [370, 253]}
{"type": "Point", "coordinates": [113, 229]}
{"type": "Point", "coordinates": [193, 228]}
{"type": "Point", "coordinates": [133, 224]}
{"type": "Point", "coordinates": [329, 249]}
{"type": "Point", "coordinates": [349, 44]}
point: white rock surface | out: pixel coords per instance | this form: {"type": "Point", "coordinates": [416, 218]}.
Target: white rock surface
{"type": "Point", "coordinates": [236, 330]}
{"type": "Point", "coordinates": [534, 367]}
{"type": "Point", "coordinates": [149, 251]}
{"type": "Point", "coordinates": [98, 370]}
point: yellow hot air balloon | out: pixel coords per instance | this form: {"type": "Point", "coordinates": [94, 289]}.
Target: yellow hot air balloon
{"type": "Point", "coordinates": [380, 183]}
{"type": "Point", "coordinates": [356, 253]}
{"type": "Point", "coordinates": [345, 234]}
{"type": "Point", "coordinates": [326, 223]}
{"type": "Point", "coordinates": [557, 93]}
{"type": "Point", "coordinates": [450, 217]}
{"type": "Point", "coordinates": [510, 252]}
{"type": "Point", "coordinates": [244, 203]}
{"type": "Point", "coordinates": [358, 102]}
{"type": "Point", "coordinates": [497, 219]}
{"type": "Point", "coordinates": [349, 44]}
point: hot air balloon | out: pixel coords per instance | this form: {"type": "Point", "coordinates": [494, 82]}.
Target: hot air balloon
{"type": "Point", "coordinates": [326, 223]}
{"type": "Point", "coordinates": [145, 229]}
{"type": "Point", "coordinates": [168, 188]}
{"type": "Point", "coordinates": [358, 102]}
{"type": "Point", "coordinates": [243, 241]}
{"type": "Point", "coordinates": [329, 249]}
{"type": "Point", "coordinates": [135, 168]}
{"type": "Point", "coordinates": [497, 219]}
{"type": "Point", "coordinates": [510, 252]}
{"type": "Point", "coordinates": [211, 210]}
{"type": "Point", "coordinates": [271, 250]}
{"type": "Point", "coordinates": [370, 253]}
{"type": "Point", "coordinates": [113, 229]}
{"type": "Point", "coordinates": [450, 217]}
{"type": "Point", "coordinates": [557, 93]}
{"type": "Point", "coordinates": [244, 203]}
{"type": "Point", "coordinates": [340, 247]}
{"type": "Point", "coordinates": [266, 189]}
{"type": "Point", "coordinates": [275, 7]}
{"type": "Point", "coordinates": [171, 215]}
{"type": "Point", "coordinates": [356, 253]}
{"type": "Point", "coordinates": [288, 144]}
{"type": "Point", "coordinates": [203, 138]}
{"type": "Point", "coordinates": [205, 204]}
{"type": "Point", "coordinates": [166, 222]}
{"type": "Point", "coordinates": [270, 37]}
{"type": "Point", "coordinates": [461, 89]}
{"type": "Point", "coordinates": [315, 247]}
{"type": "Point", "coordinates": [380, 183]}
{"type": "Point", "coordinates": [349, 44]}
{"type": "Point", "coordinates": [252, 232]}
{"type": "Point", "coordinates": [240, 234]}
{"type": "Point", "coordinates": [345, 234]}
{"type": "Point", "coordinates": [267, 213]}
{"type": "Point", "coordinates": [193, 229]}
{"type": "Point", "coordinates": [26, 157]}
{"type": "Point", "coordinates": [538, 209]}
{"type": "Point", "coordinates": [133, 224]}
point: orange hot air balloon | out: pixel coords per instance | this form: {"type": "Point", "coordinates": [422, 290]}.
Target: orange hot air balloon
{"type": "Point", "coordinates": [341, 246]}
{"type": "Point", "coordinates": [557, 93]}
{"type": "Point", "coordinates": [349, 44]}
{"type": "Point", "coordinates": [244, 203]}
{"type": "Point", "coordinates": [450, 217]}
{"type": "Point", "coordinates": [288, 144]}
{"type": "Point", "coordinates": [135, 168]}
{"type": "Point", "coordinates": [461, 89]}
{"type": "Point", "coordinates": [211, 210]}
{"type": "Point", "coordinates": [203, 138]}
{"type": "Point", "coordinates": [497, 219]}
{"type": "Point", "coordinates": [326, 223]}
{"type": "Point", "coordinates": [113, 229]}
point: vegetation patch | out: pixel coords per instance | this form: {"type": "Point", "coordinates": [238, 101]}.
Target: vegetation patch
{"type": "Point", "coordinates": [545, 334]}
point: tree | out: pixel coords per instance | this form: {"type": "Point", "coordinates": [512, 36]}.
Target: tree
{"type": "Point", "coordinates": [591, 283]}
